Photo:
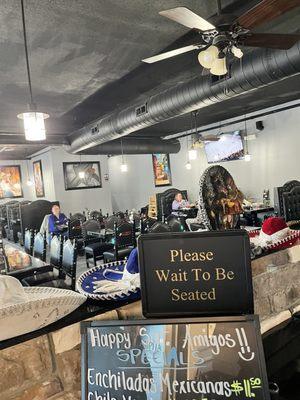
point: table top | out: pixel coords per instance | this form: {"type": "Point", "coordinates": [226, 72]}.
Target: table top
{"type": "Point", "coordinates": [18, 260]}
{"type": "Point", "coordinates": [259, 209]}
{"type": "Point", "coordinates": [101, 234]}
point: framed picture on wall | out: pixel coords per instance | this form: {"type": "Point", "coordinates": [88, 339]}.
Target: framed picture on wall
{"type": "Point", "coordinates": [82, 175]}
{"type": "Point", "coordinates": [161, 169]}
{"type": "Point", "coordinates": [38, 178]}
{"type": "Point", "coordinates": [10, 182]}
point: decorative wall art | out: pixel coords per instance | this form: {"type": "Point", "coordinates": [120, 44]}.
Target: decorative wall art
{"type": "Point", "coordinates": [161, 169]}
{"type": "Point", "coordinates": [82, 175]}
{"type": "Point", "coordinates": [10, 181]}
{"type": "Point", "coordinates": [38, 179]}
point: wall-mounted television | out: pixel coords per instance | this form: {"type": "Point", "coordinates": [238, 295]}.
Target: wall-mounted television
{"type": "Point", "coordinates": [228, 148]}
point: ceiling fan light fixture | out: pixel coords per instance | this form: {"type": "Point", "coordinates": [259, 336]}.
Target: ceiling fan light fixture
{"type": "Point", "coordinates": [34, 125]}
{"type": "Point", "coordinates": [198, 145]}
{"type": "Point", "coordinates": [237, 52]}
{"type": "Point", "coordinates": [207, 57]}
{"type": "Point", "coordinates": [219, 67]}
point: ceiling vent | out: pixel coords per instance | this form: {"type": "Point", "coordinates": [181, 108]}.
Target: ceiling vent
{"type": "Point", "coordinates": [143, 109]}
{"type": "Point", "coordinates": [94, 130]}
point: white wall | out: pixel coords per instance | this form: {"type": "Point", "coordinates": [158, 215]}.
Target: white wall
{"type": "Point", "coordinates": [133, 189]}
{"type": "Point", "coordinates": [72, 200]}
{"type": "Point", "coordinates": [275, 160]}
{"type": "Point", "coordinates": [79, 200]}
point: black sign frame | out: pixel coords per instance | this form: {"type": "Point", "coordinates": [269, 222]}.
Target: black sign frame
{"type": "Point", "coordinates": [200, 320]}
{"type": "Point", "coordinates": [245, 263]}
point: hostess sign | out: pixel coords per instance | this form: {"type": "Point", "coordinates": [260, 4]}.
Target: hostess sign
{"type": "Point", "coordinates": [195, 273]}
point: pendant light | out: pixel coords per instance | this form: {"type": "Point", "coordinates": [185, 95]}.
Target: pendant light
{"type": "Point", "coordinates": [193, 152]}
{"type": "Point", "coordinates": [29, 181]}
{"type": "Point", "coordinates": [247, 157]}
{"type": "Point", "coordinates": [34, 124]}
{"type": "Point", "coordinates": [188, 164]}
{"type": "Point", "coordinates": [124, 166]}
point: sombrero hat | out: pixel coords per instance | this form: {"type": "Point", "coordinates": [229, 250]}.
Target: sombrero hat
{"type": "Point", "coordinates": [26, 309]}
{"type": "Point", "coordinates": [274, 235]}
{"type": "Point", "coordinates": [118, 280]}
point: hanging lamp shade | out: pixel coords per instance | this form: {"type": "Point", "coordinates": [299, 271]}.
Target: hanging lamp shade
{"type": "Point", "coordinates": [207, 57]}
{"type": "Point", "coordinates": [124, 167]}
{"type": "Point", "coordinates": [192, 154]}
{"type": "Point", "coordinates": [188, 165]}
{"type": "Point", "coordinates": [34, 125]}
{"type": "Point", "coordinates": [219, 67]}
{"type": "Point", "coordinates": [34, 121]}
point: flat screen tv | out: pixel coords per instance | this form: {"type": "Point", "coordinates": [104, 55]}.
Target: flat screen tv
{"type": "Point", "coordinates": [228, 148]}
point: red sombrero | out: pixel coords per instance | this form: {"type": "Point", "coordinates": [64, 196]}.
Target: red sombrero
{"type": "Point", "coordinates": [274, 235]}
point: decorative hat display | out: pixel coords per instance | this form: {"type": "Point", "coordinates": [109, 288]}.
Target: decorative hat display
{"type": "Point", "coordinates": [274, 235]}
{"type": "Point", "coordinates": [118, 280]}
{"type": "Point", "coordinates": [220, 201]}
{"type": "Point", "coordinates": [26, 309]}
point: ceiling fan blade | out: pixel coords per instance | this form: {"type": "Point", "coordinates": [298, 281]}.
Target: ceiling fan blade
{"type": "Point", "coordinates": [265, 11]}
{"type": "Point", "coordinates": [171, 53]}
{"type": "Point", "coordinates": [270, 40]}
{"type": "Point", "coordinates": [188, 18]}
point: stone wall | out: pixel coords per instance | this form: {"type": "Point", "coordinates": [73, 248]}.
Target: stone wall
{"type": "Point", "coordinates": [48, 368]}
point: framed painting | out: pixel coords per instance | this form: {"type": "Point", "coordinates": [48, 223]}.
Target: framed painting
{"type": "Point", "coordinates": [161, 169]}
{"type": "Point", "coordinates": [82, 175]}
{"type": "Point", "coordinates": [10, 182]}
{"type": "Point", "coordinates": [38, 178]}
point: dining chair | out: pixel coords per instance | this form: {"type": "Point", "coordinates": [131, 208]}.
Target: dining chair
{"type": "Point", "coordinates": [39, 246]}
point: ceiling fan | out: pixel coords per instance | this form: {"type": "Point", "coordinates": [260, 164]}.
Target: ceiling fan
{"type": "Point", "coordinates": [226, 32]}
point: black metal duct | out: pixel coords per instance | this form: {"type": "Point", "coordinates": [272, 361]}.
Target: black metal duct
{"type": "Point", "coordinates": [255, 70]}
{"type": "Point", "coordinates": [132, 145]}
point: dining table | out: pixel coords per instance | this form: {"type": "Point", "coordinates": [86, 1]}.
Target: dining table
{"type": "Point", "coordinates": [102, 234]}
{"type": "Point", "coordinates": [20, 265]}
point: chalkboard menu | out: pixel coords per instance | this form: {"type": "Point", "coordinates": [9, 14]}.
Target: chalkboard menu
{"type": "Point", "coordinates": [195, 273]}
{"type": "Point", "coordinates": [204, 359]}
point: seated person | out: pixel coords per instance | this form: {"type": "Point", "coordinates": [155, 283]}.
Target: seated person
{"type": "Point", "coordinates": [58, 222]}
{"type": "Point", "coordinates": [179, 203]}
